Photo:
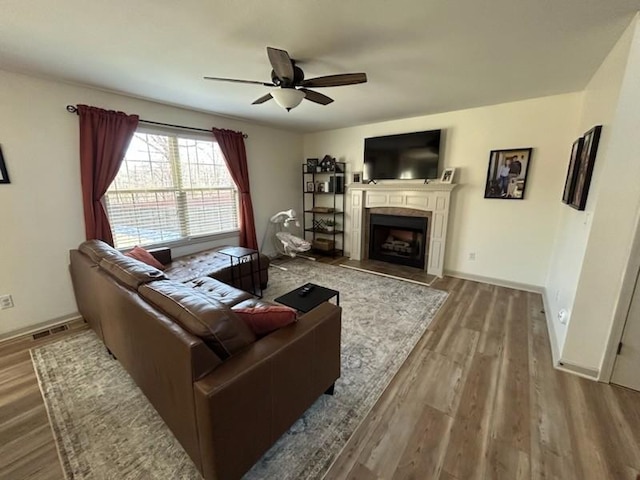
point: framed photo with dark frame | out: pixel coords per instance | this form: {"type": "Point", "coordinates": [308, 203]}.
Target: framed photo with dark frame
{"type": "Point", "coordinates": [570, 182]}
{"type": "Point", "coordinates": [4, 175]}
{"type": "Point", "coordinates": [312, 164]}
{"type": "Point", "coordinates": [507, 173]}
{"type": "Point", "coordinates": [584, 169]}
{"type": "Point", "coordinates": [310, 187]}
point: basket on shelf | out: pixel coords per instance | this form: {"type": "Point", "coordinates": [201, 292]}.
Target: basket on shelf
{"type": "Point", "coordinates": [324, 244]}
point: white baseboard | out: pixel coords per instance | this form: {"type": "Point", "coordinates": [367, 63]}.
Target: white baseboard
{"type": "Point", "coordinates": [495, 281]}
{"type": "Point", "coordinates": [558, 363]}
{"type": "Point", "coordinates": [553, 337]}
{"type": "Point", "coordinates": [31, 329]}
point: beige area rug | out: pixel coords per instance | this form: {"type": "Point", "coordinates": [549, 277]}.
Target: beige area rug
{"type": "Point", "coordinates": [106, 429]}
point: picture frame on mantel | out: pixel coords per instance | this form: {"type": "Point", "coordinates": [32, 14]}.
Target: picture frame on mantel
{"type": "Point", "coordinates": [4, 175]}
{"type": "Point", "coordinates": [584, 169]}
{"type": "Point", "coordinates": [570, 182]}
{"type": "Point", "coordinates": [507, 173]}
{"type": "Point", "coordinates": [447, 175]}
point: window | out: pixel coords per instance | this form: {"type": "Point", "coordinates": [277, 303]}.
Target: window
{"type": "Point", "coordinates": [171, 188]}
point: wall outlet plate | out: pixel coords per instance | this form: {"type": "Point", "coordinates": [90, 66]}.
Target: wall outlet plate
{"type": "Point", "coordinates": [6, 302]}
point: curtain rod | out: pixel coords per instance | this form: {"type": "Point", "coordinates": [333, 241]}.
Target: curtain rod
{"type": "Point", "coordinates": [74, 109]}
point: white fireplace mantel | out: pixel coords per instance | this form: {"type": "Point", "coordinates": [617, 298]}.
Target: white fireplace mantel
{"type": "Point", "coordinates": [432, 197]}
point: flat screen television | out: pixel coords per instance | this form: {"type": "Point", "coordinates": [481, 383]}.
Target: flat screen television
{"type": "Point", "coordinates": [405, 156]}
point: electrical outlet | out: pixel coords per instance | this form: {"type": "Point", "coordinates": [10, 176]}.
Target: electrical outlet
{"type": "Point", "coordinates": [6, 302]}
{"type": "Point", "coordinates": [472, 256]}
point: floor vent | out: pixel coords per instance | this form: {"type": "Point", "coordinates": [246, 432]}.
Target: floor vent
{"type": "Point", "coordinates": [38, 335]}
{"type": "Point", "coordinates": [52, 331]}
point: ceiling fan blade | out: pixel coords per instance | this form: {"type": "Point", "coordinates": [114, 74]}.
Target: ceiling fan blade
{"type": "Point", "coordinates": [264, 98]}
{"type": "Point", "coordinates": [281, 63]}
{"type": "Point", "coordinates": [234, 80]}
{"type": "Point", "coordinates": [316, 97]}
{"type": "Point", "coordinates": [335, 80]}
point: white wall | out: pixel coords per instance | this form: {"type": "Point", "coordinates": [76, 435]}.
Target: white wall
{"type": "Point", "coordinates": [512, 239]}
{"type": "Point", "coordinates": [41, 209]}
{"type": "Point", "coordinates": [613, 226]}
{"type": "Point", "coordinates": [599, 107]}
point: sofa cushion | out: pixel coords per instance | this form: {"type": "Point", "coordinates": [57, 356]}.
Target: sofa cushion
{"type": "Point", "coordinates": [96, 250]}
{"type": "Point", "coordinates": [211, 263]}
{"type": "Point", "coordinates": [264, 320]}
{"type": "Point", "coordinates": [144, 256]}
{"type": "Point", "coordinates": [202, 264]}
{"type": "Point", "coordinates": [129, 271]}
{"type": "Point", "coordinates": [225, 294]}
{"type": "Point", "coordinates": [201, 315]}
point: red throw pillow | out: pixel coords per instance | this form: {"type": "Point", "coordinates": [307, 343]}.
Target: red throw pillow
{"type": "Point", "coordinates": [263, 320]}
{"type": "Point", "coordinates": [142, 255]}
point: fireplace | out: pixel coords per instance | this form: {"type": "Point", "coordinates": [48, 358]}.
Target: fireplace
{"type": "Point", "coordinates": [398, 239]}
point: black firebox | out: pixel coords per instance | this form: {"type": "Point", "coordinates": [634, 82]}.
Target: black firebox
{"type": "Point", "coordinates": [398, 239]}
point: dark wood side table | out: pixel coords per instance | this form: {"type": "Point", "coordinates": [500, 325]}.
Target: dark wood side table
{"type": "Point", "coordinates": [240, 256]}
{"type": "Point", "coordinates": [310, 301]}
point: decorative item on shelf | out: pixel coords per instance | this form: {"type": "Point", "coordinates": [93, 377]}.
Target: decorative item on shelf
{"type": "Point", "coordinates": [4, 175]}
{"type": "Point", "coordinates": [327, 163]}
{"type": "Point", "coordinates": [447, 175]}
{"type": "Point", "coordinates": [319, 225]}
{"type": "Point", "coordinates": [357, 177]}
{"type": "Point", "coordinates": [323, 210]}
{"type": "Point", "coordinates": [570, 182]}
{"type": "Point", "coordinates": [507, 173]}
{"type": "Point", "coordinates": [312, 164]}
{"type": "Point", "coordinates": [584, 169]}
{"type": "Point", "coordinates": [330, 225]}
{"type": "Point", "coordinates": [310, 187]}
{"type": "Point", "coordinates": [320, 187]}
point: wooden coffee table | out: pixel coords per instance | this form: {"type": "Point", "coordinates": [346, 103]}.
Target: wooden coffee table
{"type": "Point", "coordinates": [310, 301]}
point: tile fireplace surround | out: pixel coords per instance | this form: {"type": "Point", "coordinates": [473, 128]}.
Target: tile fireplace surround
{"type": "Point", "coordinates": [431, 201]}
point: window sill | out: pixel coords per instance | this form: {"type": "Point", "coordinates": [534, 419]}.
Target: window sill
{"type": "Point", "coordinates": [190, 241]}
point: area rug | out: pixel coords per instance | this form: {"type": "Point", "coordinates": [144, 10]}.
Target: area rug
{"type": "Point", "coordinates": [105, 428]}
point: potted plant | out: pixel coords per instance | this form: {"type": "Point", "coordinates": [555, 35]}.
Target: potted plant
{"type": "Point", "coordinates": [330, 225]}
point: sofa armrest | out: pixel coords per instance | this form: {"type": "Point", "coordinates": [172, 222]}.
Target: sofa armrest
{"type": "Point", "coordinates": [162, 254]}
{"type": "Point", "coordinates": [249, 401]}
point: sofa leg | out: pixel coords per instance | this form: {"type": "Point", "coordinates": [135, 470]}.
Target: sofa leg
{"type": "Point", "coordinates": [330, 390]}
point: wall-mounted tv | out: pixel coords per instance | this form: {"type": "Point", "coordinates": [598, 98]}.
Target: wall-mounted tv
{"type": "Point", "coordinates": [405, 156]}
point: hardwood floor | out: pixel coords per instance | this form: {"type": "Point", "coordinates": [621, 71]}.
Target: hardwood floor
{"type": "Point", "coordinates": [478, 398]}
{"type": "Point", "coordinates": [27, 448]}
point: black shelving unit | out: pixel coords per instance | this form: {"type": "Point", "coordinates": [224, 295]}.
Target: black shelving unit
{"type": "Point", "coordinates": [333, 178]}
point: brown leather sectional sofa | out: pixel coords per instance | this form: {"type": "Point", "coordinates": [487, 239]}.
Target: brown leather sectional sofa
{"type": "Point", "coordinates": [226, 395]}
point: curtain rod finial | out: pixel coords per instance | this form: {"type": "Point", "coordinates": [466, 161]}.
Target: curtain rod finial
{"type": "Point", "coordinates": [72, 109]}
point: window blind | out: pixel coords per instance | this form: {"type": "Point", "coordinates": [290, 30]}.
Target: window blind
{"type": "Point", "coordinates": [170, 188]}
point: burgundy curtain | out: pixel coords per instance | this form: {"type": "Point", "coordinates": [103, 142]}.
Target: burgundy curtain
{"type": "Point", "coordinates": [104, 139]}
{"type": "Point", "coordinates": [232, 146]}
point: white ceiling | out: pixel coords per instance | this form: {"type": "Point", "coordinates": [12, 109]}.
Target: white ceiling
{"type": "Point", "coordinates": [421, 56]}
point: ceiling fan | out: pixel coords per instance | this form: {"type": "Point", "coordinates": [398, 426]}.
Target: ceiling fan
{"type": "Point", "coordinates": [291, 82]}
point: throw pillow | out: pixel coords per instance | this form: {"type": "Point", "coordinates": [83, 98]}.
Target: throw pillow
{"type": "Point", "coordinates": [144, 256]}
{"type": "Point", "coordinates": [264, 320]}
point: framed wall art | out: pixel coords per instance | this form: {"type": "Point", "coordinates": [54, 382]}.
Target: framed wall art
{"type": "Point", "coordinates": [4, 175]}
{"type": "Point", "coordinates": [570, 182]}
{"type": "Point", "coordinates": [507, 173]}
{"type": "Point", "coordinates": [584, 169]}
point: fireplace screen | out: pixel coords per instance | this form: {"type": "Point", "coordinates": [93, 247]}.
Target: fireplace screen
{"type": "Point", "coordinates": [398, 239]}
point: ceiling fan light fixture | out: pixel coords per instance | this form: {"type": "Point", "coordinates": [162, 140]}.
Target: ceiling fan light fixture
{"type": "Point", "coordinates": [288, 98]}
